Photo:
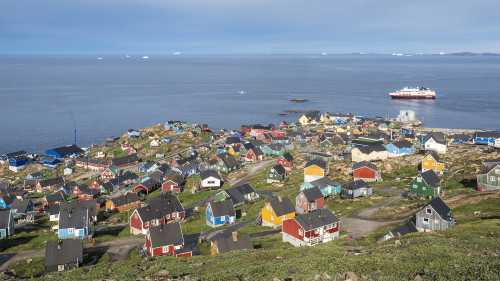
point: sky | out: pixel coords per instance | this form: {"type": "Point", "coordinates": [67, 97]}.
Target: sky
{"type": "Point", "coordinates": [248, 26]}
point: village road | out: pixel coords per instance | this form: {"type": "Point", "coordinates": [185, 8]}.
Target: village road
{"type": "Point", "coordinates": [252, 170]}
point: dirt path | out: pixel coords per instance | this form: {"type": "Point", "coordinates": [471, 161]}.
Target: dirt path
{"type": "Point", "coordinates": [253, 170]}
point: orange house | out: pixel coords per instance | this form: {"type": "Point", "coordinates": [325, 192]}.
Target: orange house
{"type": "Point", "coordinates": [123, 203]}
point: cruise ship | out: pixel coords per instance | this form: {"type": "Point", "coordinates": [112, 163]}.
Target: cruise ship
{"type": "Point", "coordinates": [413, 93]}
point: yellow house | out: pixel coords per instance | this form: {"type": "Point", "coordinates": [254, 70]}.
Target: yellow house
{"type": "Point", "coordinates": [234, 150]}
{"type": "Point", "coordinates": [314, 170]}
{"type": "Point", "coordinates": [303, 120]}
{"type": "Point", "coordinates": [153, 136]}
{"type": "Point", "coordinates": [341, 130]}
{"type": "Point", "coordinates": [431, 162]}
{"type": "Point", "coordinates": [276, 211]}
{"type": "Point", "coordinates": [324, 118]}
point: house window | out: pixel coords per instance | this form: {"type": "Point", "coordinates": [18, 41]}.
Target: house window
{"type": "Point", "coordinates": [70, 230]}
{"type": "Point", "coordinates": [272, 218]}
{"type": "Point", "coordinates": [301, 232]}
{"type": "Point", "coordinates": [223, 218]}
{"type": "Point", "coordinates": [316, 231]}
{"type": "Point", "coordinates": [423, 187]}
{"type": "Point", "coordinates": [165, 249]}
{"type": "Point", "coordinates": [147, 224]}
{"type": "Point", "coordinates": [168, 216]}
{"type": "Point", "coordinates": [60, 267]}
{"type": "Point", "coordinates": [433, 164]}
{"type": "Point", "coordinates": [428, 211]}
{"type": "Point", "coordinates": [268, 208]}
{"type": "Point", "coordinates": [426, 221]}
{"type": "Point", "coordinates": [135, 216]}
{"type": "Point", "coordinates": [350, 191]}
{"type": "Point", "coordinates": [419, 179]}
{"type": "Point", "coordinates": [415, 186]}
{"type": "Point", "coordinates": [492, 178]}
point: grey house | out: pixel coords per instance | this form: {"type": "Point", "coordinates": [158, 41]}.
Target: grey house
{"type": "Point", "coordinates": [399, 231]}
{"type": "Point", "coordinates": [63, 255]}
{"type": "Point", "coordinates": [355, 189]}
{"type": "Point", "coordinates": [435, 216]}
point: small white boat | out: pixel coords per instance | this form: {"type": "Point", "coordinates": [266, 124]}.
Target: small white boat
{"type": "Point", "coordinates": [127, 56]}
{"type": "Point", "coordinates": [145, 57]}
{"type": "Point", "coordinates": [241, 92]}
{"type": "Point", "coordinates": [99, 58]}
{"type": "Point", "coordinates": [177, 53]}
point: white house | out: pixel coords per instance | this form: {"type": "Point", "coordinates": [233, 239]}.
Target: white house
{"type": "Point", "coordinates": [435, 145]}
{"type": "Point", "coordinates": [210, 180]}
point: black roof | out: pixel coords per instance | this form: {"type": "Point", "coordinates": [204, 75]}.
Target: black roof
{"type": "Point", "coordinates": [282, 207]}
{"type": "Point", "coordinates": [14, 154]}
{"type": "Point", "coordinates": [487, 134]}
{"type": "Point", "coordinates": [440, 207]}
{"type": "Point", "coordinates": [228, 159]}
{"type": "Point", "coordinates": [51, 182]}
{"type": "Point", "coordinates": [364, 164]}
{"type": "Point", "coordinates": [21, 205]}
{"type": "Point", "coordinates": [232, 140]}
{"type": "Point", "coordinates": [237, 193]}
{"type": "Point", "coordinates": [8, 199]}
{"type": "Point", "coordinates": [82, 205]}
{"type": "Point", "coordinates": [166, 234]}
{"type": "Point", "coordinates": [275, 146]}
{"type": "Point", "coordinates": [324, 182]}
{"type": "Point", "coordinates": [63, 252]}
{"type": "Point", "coordinates": [316, 162]}
{"type": "Point", "coordinates": [403, 143]}
{"type": "Point", "coordinates": [371, 148]}
{"type": "Point", "coordinates": [54, 209]}
{"type": "Point", "coordinates": [288, 157]}
{"type": "Point", "coordinates": [4, 219]}
{"type": "Point", "coordinates": [72, 218]}
{"type": "Point", "coordinates": [355, 185]}
{"type": "Point", "coordinates": [209, 173]}
{"type": "Point", "coordinates": [279, 169]}
{"type": "Point", "coordinates": [54, 197]}
{"type": "Point", "coordinates": [69, 149]}
{"type": "Point", "coordinates": [406, 228]}
{"type": "Point", "coordinates": [312, 193]}
{"type": "Point", "coordinates": [125, 160]}
{"type": "Point", "coordinates": [316, 219]}
{"type": "Point", "coordinates": [125, 199]}
{"type": "Point", "coordinates": [430, 178]}
{"type": "Point", "coordinates": [228, 244]}
{"type": "Point", "coordinates": [159, 207]}
{"type": "Point", "coordinates": [222, 208]}
{"type": "Point", "coordinates": [433, 154]}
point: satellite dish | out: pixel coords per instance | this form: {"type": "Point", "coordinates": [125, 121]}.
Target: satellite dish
{"type": "Point", "coordinates": [348, 127]}
{"type": "Point", "coordinates": [348, 133]}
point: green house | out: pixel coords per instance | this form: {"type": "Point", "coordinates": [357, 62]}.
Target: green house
{"type": "Point", "coordinates": [274, 149]}
{"type": "Point", "coordinates": [276, 174]}
{"type": "Point", "coordinates": [426, 184]}
{"type": "Point", "coordinates": [331, 142]}
{"type": "Point", "coordinates": [238, 194]}
{"type": "Point", "coordinates": [490, 179]}
{"type": "Point", "coordinates": [227, 163]}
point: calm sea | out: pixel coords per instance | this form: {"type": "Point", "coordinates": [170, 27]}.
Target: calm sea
{"type": "Point", "coordinates": [45, 98]}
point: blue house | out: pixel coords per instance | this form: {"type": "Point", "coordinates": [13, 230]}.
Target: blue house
{"type": "Point", "coordinates": [6, 201]}
{"type": "Point", "coordinates": [169, 124]}
{"type": "Point", "coordinates": [325, 184]}
{"type": "Point", "coordinates": [399, 148]}
{"type": "Point", "coordinates": [7, 223]}
{"type": "Point", "coordinates": [65, 151]}
{"type": "Point", "coordinates": [17, 163]}
{"type": "Point", "coordinates": [5, 157]}
{"type": "Point", "coordinates": [188, 169]}
{"type": "Point", "coordinates": [485, 137]}
{"type": "Point", "coordinates": [220, 213]}
{"type": "Point", "coordinates": [133, 133]}
{"type": "Point", "coordinates": [51, 162]}
{"type": "Point", "coordinates": [179, 129]}
{"type": "Point", "coordinates": [22, 207]}
{"type": "Point", "coordinates": [74, 223]}
{"type": "Point", "coordinates": [149, 166]}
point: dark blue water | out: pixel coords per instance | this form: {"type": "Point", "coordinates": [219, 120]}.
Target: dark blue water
{"type": "Point", "coordinates": [43, 99]}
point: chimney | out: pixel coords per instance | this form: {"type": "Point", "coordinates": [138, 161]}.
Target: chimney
{"type": "Point", "coordinates": [280, 198]}
{"type": "Point", "coordinates": [235, 236]}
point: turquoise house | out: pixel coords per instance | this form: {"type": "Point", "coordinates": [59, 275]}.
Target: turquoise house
{"type": "Point", "coordinates": [325, 184]}
{"type": "Point", "coordinates": [6, 223]}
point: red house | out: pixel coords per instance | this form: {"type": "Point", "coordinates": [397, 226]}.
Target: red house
{"type": "Point", "coordinates": [286, 160]}
{"type": "Point", "coordinates": [147, 186]}
{"type": "Point", "coordinates": [54, 198]}
{"type": "Point", "coordinates": [160, 210]}
{"type": "Point", "coordinates": [309, 200]}
{"type": "Point", "coordinates": [95, 184]}
{"type": "Point", "coordinates": [173, 184]}
{"type": "Point", "coordinates": [89, 194]}
{"type": "Point", "coordinates": [125, 145]}
{"type": "Point", "coordinates": [110, 173]}
{"type": "Point", "coordinates": [166, 240]}
{"type": "Point", "coordinates": [279, 134]}
{"type": "Point", "coordinates": [192, 134]}
{"type": "Point", "coordinates": [319, 226]}
{"type": "Point", "coordinates": [366, 171]}
{"type": "Point", "coordinates": [77, 190]}
{"type": "Point", "coordinates": [284, 125]}
{"type": "Point", "coordinates": [255, 154]}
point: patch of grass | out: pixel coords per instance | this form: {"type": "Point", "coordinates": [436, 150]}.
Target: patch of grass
{"type": "Point", "coordinates": [271, 241]}
{"type": "Point", "coordinates": [123, 216]}
{"type": "Point", "coordinates": [345, 207]}
{"type": "Point", "coordinates": [109, 235]}
{"type": "Point", "coordinates": [27, 239]}
{"type": "Point", "coordinates": [187, 198]}
{"type": "Point", "coordinates": [204, 248]}
{"type": "Point", "coordinates": [25, 270]}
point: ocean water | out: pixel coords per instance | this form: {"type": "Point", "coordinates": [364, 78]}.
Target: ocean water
{"type": "Point", "coordinates": [43, 99]}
